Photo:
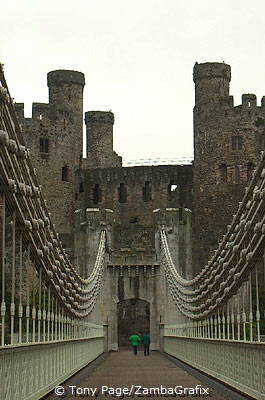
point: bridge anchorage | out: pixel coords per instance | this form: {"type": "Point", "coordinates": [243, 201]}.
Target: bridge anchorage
{"type": "Point", "coordinates": [54, 316]}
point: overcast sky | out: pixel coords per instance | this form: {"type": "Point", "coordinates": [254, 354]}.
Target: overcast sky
{"type": "Point", "coordinates": [137, 57]}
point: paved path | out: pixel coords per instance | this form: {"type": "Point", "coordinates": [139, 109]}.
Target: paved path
{"type": "Point", "coordinates": [122, 370]}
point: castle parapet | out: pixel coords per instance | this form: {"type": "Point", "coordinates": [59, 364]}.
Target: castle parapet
{"type": "Point", "coordinates": [65, 76]}
{"type": "Point", "coordinates": [39, 110]}
{"type": "Point", "coordinates": [211, 70]}
{"type": "Point", "coordinates": [19, 108]}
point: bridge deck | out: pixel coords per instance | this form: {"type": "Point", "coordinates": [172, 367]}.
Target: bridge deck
{"type": "Point", "coordinates": [122, 370]}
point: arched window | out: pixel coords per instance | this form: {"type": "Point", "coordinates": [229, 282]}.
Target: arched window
{"type": "Point", "coordinates": [223, 173]}
{"type": "Point", "coordinates": [122, 192]}
{"type": "Point", "coordinates": [97, 194]}
{"type": "Point", "coordinates": [237, 174]}
{"type": "Point", "coordinates": [147, 192]}
{"type": "Point", "coordinates": [250, 169]}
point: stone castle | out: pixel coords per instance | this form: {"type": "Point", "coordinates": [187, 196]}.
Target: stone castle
{"type": "Point", "coordinates": [84, 194]}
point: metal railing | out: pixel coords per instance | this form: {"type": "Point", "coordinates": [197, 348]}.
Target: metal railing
{"type": "Point", "coordinates": [221, 311]}
{"type": "Point", "coordinates": [158, 161]}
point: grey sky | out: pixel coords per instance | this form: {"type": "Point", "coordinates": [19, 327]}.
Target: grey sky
{"type": "Point", "coordinates": [137, 57]}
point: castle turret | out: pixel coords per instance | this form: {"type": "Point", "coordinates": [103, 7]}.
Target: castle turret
{"type": "Point", "coordinates": [99, 136]}
{"type": "Point", "coordinates": [66, 108]}
{"type": "Point", "coordinates": [211, 82]}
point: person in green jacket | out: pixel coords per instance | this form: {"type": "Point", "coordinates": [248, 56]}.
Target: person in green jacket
{"type": "Point", "coordinates": [135, 341]}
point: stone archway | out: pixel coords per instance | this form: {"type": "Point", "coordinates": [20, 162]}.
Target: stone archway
{"type": "Point", "coordinates": [133, 317]}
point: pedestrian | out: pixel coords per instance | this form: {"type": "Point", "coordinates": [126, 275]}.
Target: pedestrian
{"type": "Point", "coordinates": [146, 342]}
{"type": "Point", "coordinates": [135, 341]}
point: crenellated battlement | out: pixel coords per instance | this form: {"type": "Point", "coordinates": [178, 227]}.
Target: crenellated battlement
{"type": "Point", "coordinates": [39, 110]}
{"type": "Point", "coordinates": [19, 108]}
{"type": "Point", "coordinates": [249, 100]}
{"type": "Point", "coordinates": [249, 103]}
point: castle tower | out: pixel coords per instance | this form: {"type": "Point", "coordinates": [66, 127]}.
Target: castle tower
{"type": "Point", "coordinates": [225, 153]}
{"type": "Point", "coordinates": [54, 135]}
{"type": "Point", "coordinates": [66, 90]}
{"type": "Point", "coordinates": [66, 111]}
{"type": "Point", "coordinates": [211, 82]}
{"type": "Point", "coordinates": [66, 107]}
{"type": "Point", "coordinates": [99, 136]}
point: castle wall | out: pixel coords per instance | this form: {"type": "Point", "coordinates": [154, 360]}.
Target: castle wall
{"type": "Point", "coordinates": [133, 193]}
{"type": "Point", "coordinates": [143, 190]}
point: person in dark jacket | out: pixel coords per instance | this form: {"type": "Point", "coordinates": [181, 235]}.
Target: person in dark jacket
{"type": "Point", "coordinates": [146, 342]}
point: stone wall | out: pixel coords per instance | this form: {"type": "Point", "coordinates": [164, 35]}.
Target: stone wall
{"type": "Point", "coordinates": [134, 192]}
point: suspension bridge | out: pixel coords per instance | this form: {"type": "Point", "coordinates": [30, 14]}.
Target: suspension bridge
{"type": "Point", "coordinates": [216, 322]}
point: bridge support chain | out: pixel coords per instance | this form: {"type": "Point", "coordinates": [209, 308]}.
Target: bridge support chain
{"type": "Point", "coordinates": [3, 266]}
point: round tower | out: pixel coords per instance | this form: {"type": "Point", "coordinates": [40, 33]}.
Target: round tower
{"type": "Point", "coordinates": [63, 130]}
{"type": "Point", "coordinates": [66, 110]}
{"type": "Point", "coordinates": [211, 82]}
{"type": "Point", "coordinates": [99, 136]}
{"type": "Point", "coordinates": [211, 148]}
{"type": "Point", "coordinates": [212, 98]}
{"type": "Point", "coordinates": [66, 89]}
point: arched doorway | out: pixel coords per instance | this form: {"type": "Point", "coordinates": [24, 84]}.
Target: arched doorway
{"type": "Point", "coordinates": [133, 317]}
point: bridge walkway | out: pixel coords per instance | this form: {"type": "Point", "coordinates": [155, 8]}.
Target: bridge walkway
{"type": "Point", "coordinates": [122, 369]}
